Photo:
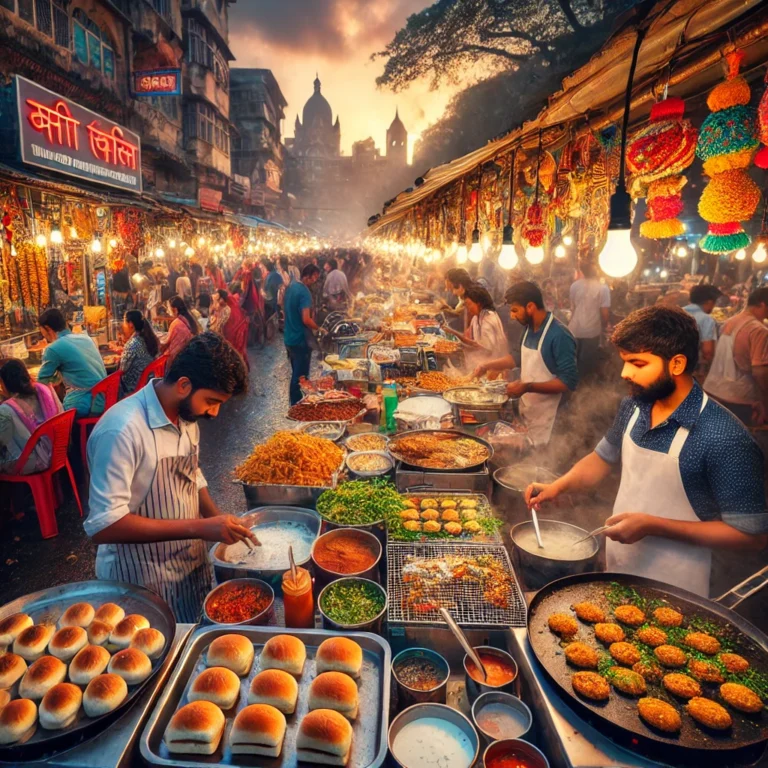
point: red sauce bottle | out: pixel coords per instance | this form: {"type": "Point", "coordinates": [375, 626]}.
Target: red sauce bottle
{"type": "Point", "coordinates": [298, 601]}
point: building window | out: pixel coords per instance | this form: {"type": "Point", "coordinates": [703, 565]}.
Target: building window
{"type": "Point", "coordinates": [91, 45]}
{"type": "Point", "coordinates": [163, 8]}
{"type": "Point", "coordinates": [201, 121]}
{"type": "Point", "coordinates": [49, 16]}
{"type": "Point", "coordinates": [202, 50]}
{"type": "Point", "coordinates": [168, 105]}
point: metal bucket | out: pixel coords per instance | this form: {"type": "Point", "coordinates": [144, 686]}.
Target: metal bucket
{"type": "Point", "coordinates": [407, 696]}
{"type": "Point", "coordinates": [324, 576]}
{"type": "Point", "coordinates": [537, 570]}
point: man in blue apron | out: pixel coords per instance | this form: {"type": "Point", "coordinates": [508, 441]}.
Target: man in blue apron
{"type": "Point", "coordinates": [149, 508]}
{"type": "Point", "coordinates": [691, 474]}
{"type": "Point", "coordinates": [548, 366]}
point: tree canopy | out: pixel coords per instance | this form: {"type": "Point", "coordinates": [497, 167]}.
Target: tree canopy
{"type": "Point", "coordinates": [446, 39]}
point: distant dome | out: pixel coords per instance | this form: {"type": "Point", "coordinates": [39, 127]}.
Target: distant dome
{"type": "Point", "coordinates": [397, 124]}
{"type": "Point", "coordinates": [317, 109]}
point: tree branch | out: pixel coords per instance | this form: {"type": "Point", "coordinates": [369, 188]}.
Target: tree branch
{"type": "Point", "coordinates": [493, 52]}
{"type": "Point", "coordinates": [565, 7]}
{"type": "Point", "coordinates": [487, 34]}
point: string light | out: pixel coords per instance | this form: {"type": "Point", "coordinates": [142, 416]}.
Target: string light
{"type": "Point", "coordinates": [95, 246]}
{"type": "Point", "coordinates": [461, 254]}
{"type": "Point", "coordinates": [567, 240]}
{"type": "Point", "coordinates": [759, 255]}
{"type": "Point", "coordinates": [534, 255]}
{"type": "Point", "coordinates": [159, 252]}
{"type": "Point", "coordinates": [201, 241]}
{"type": "Point", "coordinates": [560, 252]}
{"type": "Point", "coordinates": [190, 251]}
{"type": "Point", "coordinates": [56, 237]}
{"type": "Point", "coordinates": [113, 243]}
{"type": "Point", "coordinates": [663, 274]}
{"type": "Point", "coordinates": [740, 255]}
{"type": "Point", "coordinates": [682, 252]}
{"type": "Point", "coordinates": [172, 244]}
{"type": "Point", "coordinates": [41, 240]}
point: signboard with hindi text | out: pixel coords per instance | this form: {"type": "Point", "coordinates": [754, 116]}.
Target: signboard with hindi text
{"type": "Point", "coordinates": [60, 135]}
{"type": "Point", "coordinates": [159, 82]}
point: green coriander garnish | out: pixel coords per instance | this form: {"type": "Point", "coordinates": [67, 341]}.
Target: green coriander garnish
{"type": "Point", "coordinates": [352, 602]}
{"type": "Point", "coordinates": [360, 502]}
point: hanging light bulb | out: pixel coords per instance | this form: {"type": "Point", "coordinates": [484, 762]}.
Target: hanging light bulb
{"type": "Point", "coordinates": [95, 246]}
{"type": "Point", "coordinates": [461, 254]}
{"type": "Point", "coordinates": [567, 240]}
{"type": "Point", "coordinates": [190, 251]}
{"type": "Point", "coordinates": [56, 237]}
{"type": "Point", "coordinates": [41, 240]}
{"type": "Point", "coordinates": [681, 252]}
{"type": "Point", "coordinates": [534, 255]}
{"type": "Point", "coordinates": [13, 251]}
{"type": "Point", "coordinates": [201, 241]}
{"type": "Point", "coordinates": [476, 250]}
{"type": "Point", "coordinates": [663, 274]}
{"type": "Point", "coordinates": [618, 258]}
{"type": "Point", "coordinates": [452, 248]}
{"type": "Point", "coordinates": [73, 233]}
{"type": "Point", "coordinates": [159, 252]}
{"type": "Point", "coordinates": [759, 255]}
{"type": "Point", "coordinates": [508, 256]}
{"type": "Point", "coordinates": [560, 252]}
{"type": "Point", "coordinates": [740, 255]}
{"type": "Point", "coordinates": [171, 243]}
{"type": "Point", "coordinates": [428, 257]}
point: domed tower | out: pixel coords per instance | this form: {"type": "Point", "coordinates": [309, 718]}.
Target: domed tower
{"type": "Point", "coordinates": [316, 133]}
{"type": "Point", "coordinates": [397, 142]}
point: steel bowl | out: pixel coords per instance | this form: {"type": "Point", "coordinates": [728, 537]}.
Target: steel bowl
{"type": "Point", "coordinates": [536, 569]}
{"type": "Point", "coordinates": [263, 617]}
{"type": "Point", "coordinates": [439, 711]}
{"type": "Point", "coordinates": [513, 703]}
{"type": "Point", "coordinates": [268, 494]}
{"type": "Point", "coordinates": [475, 689]}
{"type": "Point", "coordinates": [407, 696]}
{"type": "Point", "coordinates": [370, 625]}
{"type": "Point", "coordinates": [365, 474]}
{"type": "Point", "coordinates": [334, 430]}
{"type": "Point", "coordinates": [533, 756]}
{"type": "Point", "coordinates": [224, 570]}
{"type": "Point", "coordinates": [353, 438]}
{"type": "Point", "coordinates": [325, 576]}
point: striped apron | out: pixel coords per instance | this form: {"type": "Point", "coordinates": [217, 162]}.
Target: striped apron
{"type": "Point", "coordinates": [178, 571]}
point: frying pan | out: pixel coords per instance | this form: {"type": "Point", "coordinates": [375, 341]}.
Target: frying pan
{"type": "Point", "coordinates": [618, 717]}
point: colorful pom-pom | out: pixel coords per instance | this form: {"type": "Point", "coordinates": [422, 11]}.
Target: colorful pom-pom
{"type": "Point", "coordinates": [724, 243]}
{"type": "Point", "coordinates": [729, 196]}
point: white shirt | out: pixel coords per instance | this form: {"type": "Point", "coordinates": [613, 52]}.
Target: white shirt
{"type": "Point", "coordinates": [123, 451]}
{"type": "Point", "coordinates": [487, 330]}
{"type": "Point", "coordinates": [588, 297]}
{"type": "Point", "coordinates": [184, 287]}
{"type": "Point", "coordinates": [335, 284]}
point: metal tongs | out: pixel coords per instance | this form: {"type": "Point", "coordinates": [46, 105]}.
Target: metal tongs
{"type": "Point", "coordinates": [462, 638]}
{"type": "Point", "coordinates": [596, 532]}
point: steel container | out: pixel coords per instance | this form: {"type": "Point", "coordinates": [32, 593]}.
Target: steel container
{"type": "Point", "coordinates": [475, 689]}
{"type": "Point", "coordinates": [371, 625]}
{"type": "Point", "coordinates": [537, 570]}
{"type": "Point", "coordinates": [324, 576]}
{"type": "Point", "coordinates": [533, 756]}
{"type": "Point", "coordinates": [406, 696]}
{"type": "Point", "coordinates": [367, 474]}
{"type": "Point", "coordinates": [509, 701]}
{"type": "Point", "coordinates": [431, 710]}
{"type": "Point", "coordinates": [262, 618]}
{"type": "Point", "coordinates": [510, 484]}
{"type": "Point", "coordinates": [263, 495]}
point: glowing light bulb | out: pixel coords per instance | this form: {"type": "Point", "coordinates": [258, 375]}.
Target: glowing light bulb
{"type": "Point", "coordinates": [56, 237]}
{"type": "Point", "coordinates": [663, 274]}
{"type": "Point", "coordinates": [159, 252]}
{"type": "Point", "coordinates": [681, 252]}
{"type": "Point", "coordinates": [41, 240]}
{"type": "Point", "coordinates": [452, 249]}
{"type": "Point", "coordinates": [740, 255]}
{"type": "Point", "coordinates": [113, 243]}
{"type": "Point", "coordinates": [461, 254]}
{"type": "Point", "coordinates": [476, 253]}
{"type": "Point", "coordinates": [201, 241]}
{"type": "Point", "coordinates": [508, 257]}
{"type": "Point", "coordinates": [534, 255]}
{"type": "Point", "coordinates": [171, 243]}
{"type": "Point", "coordinates": [567, 240]}
{"type": "Point", "coordinates": [646, 272]}
{"type": "Point", "coordinates": [428, 257]}
{"type": "Point", "coordinates": [190, 251]}
{"type": "Point", "coordinates": [486, 243]}
{"type": "Point", "coordinates": [560, 252]}
{"type": "Point", "coordinates": [13, 251]}
{"type": "Point", "coordinates": [95, 246]}
{"type": "Point", "coordinates": [618, 258]}
{"type": "Point", "coordinates": [759, 255]}
{"type": "Point", "coordinates": [73, 233]}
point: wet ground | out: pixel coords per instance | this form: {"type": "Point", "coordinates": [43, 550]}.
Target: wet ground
{"type": "Point", "coordinates": [28, 563]}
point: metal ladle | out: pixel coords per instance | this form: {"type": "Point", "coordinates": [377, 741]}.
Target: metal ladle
{"type": "Point", "coordinates": [462, 638]}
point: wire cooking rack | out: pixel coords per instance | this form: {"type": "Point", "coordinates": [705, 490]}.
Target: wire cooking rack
{"type": "Point", "coordinates": [462, 597]}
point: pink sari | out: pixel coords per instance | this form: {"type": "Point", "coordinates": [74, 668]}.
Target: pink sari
{"type": "Point", "coordinates": [235, 330]}
{"type": "Point", "coordinates": [49, 407]}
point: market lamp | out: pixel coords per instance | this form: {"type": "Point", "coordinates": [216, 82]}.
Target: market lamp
{"type": "Point", "coordinates": [95, 246]}
{"type": "Point", "coordinates": [56, 237]}
{"type": "Point", "coordinates": [159, 252]}
{"type": "Point", "coordinates": [681, 252]}
{"type": "Point", "coordinates": [560, 252]}
{"type": "Point", "coordinates": [567, 240]}
{"type": "Point", "coordinates": [172, 244]}
{"type": "Point", "coordinates": [41, 240]}
{"type": "Point", "coordinates": [534, 254]}
{"type": "Point", "coordinates": [476, 251]}
{"type": "Point", "coordinates": [461, 254]}
{"type": "Point", "coordinates": [618, 257]}
{"type": "Point", "coordinates": [113, 243]}
{"type": "Point", "coordinates": [740, 255]}
{"type": "Point", "coordinates": [759, 255]}
{"type": "Point", "coordinates": [508, 256]}
{"type": "Point", "coordinates": [190, 251]}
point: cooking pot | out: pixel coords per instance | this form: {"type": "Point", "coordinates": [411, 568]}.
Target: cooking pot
{"type": "Point", "coordinates": [510, 484]}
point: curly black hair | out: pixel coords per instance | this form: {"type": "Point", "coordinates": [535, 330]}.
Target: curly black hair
{"type": "Point", "coordinates": [210, 362]}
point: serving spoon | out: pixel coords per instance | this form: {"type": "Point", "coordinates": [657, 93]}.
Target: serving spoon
{"type": "Point", "coordinates": [462, 638]}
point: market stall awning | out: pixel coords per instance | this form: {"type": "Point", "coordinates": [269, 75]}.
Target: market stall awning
{"type": "Point", "coordinates": [597, 89]}
{"type": "Point", "coordinates": [256, 221]}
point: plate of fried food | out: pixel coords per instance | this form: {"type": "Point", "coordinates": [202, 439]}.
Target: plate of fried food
{"type": "Point", "coordinates": [440, 449]}
{"type": "Point", "coordinates": [651, 662]}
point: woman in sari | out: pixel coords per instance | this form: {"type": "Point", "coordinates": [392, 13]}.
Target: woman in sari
{"type": "Point", "coordinates": [231, 323]}
{"type": "Point", "coordinates": [27, 406]}
{"type": "Point", "coordinates": [181, 330]}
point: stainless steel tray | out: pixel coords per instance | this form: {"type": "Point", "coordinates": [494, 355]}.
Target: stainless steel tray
{"type": "Point", "coordinates": [369, 740]}
{"type": "Point", "coordinates": [492, 401]}
{"type": "Point", "coordinates": [456, 433]}
{"type": "Point", "coordinates": [47, 606]}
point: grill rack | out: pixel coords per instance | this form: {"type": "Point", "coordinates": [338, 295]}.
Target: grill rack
{"type": "Point", "coordinates": [464, 599]}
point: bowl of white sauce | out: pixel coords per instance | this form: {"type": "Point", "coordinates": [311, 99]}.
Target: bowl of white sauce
{"type": "Point", "coordinates": [431, 736]}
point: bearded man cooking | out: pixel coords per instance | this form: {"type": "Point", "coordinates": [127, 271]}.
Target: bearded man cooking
{"type": "Point", "coordinates": [691, 474]}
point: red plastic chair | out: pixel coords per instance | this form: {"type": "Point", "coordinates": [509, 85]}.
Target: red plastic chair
{"type": "Point", "coordinates": [155, 370]}
{"type": "Point", "coordinates": [110, 388]}
{"type": "Point", "coordinates": [58, 430]}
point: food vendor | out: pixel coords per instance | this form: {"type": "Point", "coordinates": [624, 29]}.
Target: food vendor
{"type": "Point", "coordinates": [547, 361]}
{"type": "Point", "coordinates": [691, 474]}
{"type": "Point", "coordinates": [149, 506]}
{"type": "Point", "coordinates": [457, 280]}
{"type": "Point", "coordinates": [485, 340]}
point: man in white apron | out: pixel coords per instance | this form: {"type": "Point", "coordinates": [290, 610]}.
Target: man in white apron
{"type": "Point", "coordinates": [149, 507]}
{"type": "Point", "coordinates": [547, 361]}
{"type": "Point", "coordinates": [691, 475]}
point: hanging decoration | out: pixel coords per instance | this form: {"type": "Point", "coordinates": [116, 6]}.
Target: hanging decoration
{"type": "Point", "coordinates": [656, 157]}
{"type": "Point", "coordinates": [534, 229]}
{"type": "Point", "coordinates": [761, 158]}
{"type": "Point", "coordinates": [727, 143]}
{"type": "Point", "coordinates": [127, 224]}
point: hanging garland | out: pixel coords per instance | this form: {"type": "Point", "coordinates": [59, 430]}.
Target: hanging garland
{"type": "Point", "coordinates": [761, 158]}
{"type": "Point", "coordinates": [727, 144]}
{"type": "Point", "coordinates": [534, 229]}
{"type": "Point", "coordinates": [656, 157]}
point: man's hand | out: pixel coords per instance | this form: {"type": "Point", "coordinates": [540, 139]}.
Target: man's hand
{"type": "Point", "coordinates": [517, 388]}
{"type": "Point", "coordinates": [630, 527]}
{"type": "Point", "coordinates": [481, 370]}
{"type": "Point", "coordinates": [225, 528]}
{"type": "Point", "coordinates": [540, 493]}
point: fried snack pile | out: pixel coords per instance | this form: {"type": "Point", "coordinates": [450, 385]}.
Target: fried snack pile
{"type": "Point", "coordinates": [435, 381]}
{"type": "Point", "coordinates": [439, 451]}
{"type": "Point", "coordinates": [292, 458]}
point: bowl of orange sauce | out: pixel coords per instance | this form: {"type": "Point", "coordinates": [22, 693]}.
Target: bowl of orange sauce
{"type": "Point", "coordinates": [500, 668]}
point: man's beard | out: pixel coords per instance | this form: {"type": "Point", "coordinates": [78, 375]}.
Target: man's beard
{"type": "Point", "coordinates": [186, 413]}
{"type": "Point", "coordinates": [663, 387]}
{"type": "Point", "coordinates": [527, 320]}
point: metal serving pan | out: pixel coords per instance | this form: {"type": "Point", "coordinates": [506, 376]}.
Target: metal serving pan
{"type": "Point", "coordinates": [493, 401]}
{"type": "Point", "coordinates": [392, 448]}
{"type": "Point", "coordinates": [369, 740]}
{"type": "Point", "coordinates": [47, 606]}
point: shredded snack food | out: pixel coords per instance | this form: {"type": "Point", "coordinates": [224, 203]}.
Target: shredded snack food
{"type": "Point", "coordinates": [326, 410]}
{"type": "Point", "coordinates": [435, 381]}
{"type": "Point", "coordinates": [292, 458]}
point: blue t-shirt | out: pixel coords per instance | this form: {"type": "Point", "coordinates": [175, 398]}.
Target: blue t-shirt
{"type": "Point", "coordinates": [706, 323]}
{"type": "Point", "coordinates": [721, 466]}
{"type": "Point", "coordinates": [297, 299]}
{"type": "Point", "coordinates": [272, 285]}
{"type": "Point", "coordinates": [558, 351]}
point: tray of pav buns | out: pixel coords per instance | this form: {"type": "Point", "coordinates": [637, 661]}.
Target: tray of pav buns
{"type": "Point", "coordinates": [274, 698]}
{"type": "Point", "coordinates": [72, 659]}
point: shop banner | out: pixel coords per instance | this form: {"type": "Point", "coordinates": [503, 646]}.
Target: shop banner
{"type": "Point", "coordinates": [157, 82]}
{"type": "Point", "coordinates": [209, 199]}
{"type": "Point", "coordinates": [60, 135]}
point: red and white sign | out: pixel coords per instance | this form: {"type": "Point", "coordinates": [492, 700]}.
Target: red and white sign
{"type": "Point", "coordinates": [209, 199]}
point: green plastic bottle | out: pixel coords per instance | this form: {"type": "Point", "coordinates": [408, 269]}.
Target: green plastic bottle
{"type": "Point", "coordinates": [389, 405]}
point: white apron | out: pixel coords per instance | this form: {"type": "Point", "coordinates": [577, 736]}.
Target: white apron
{"type": "Point", "coordinates": [651, 483]}
{"type": "Point", "coordinates": [178, 571]}
{"type": "Point", "coordinates": [726, 381]}
{"type": "Point", "coordinates": [538, 411]}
